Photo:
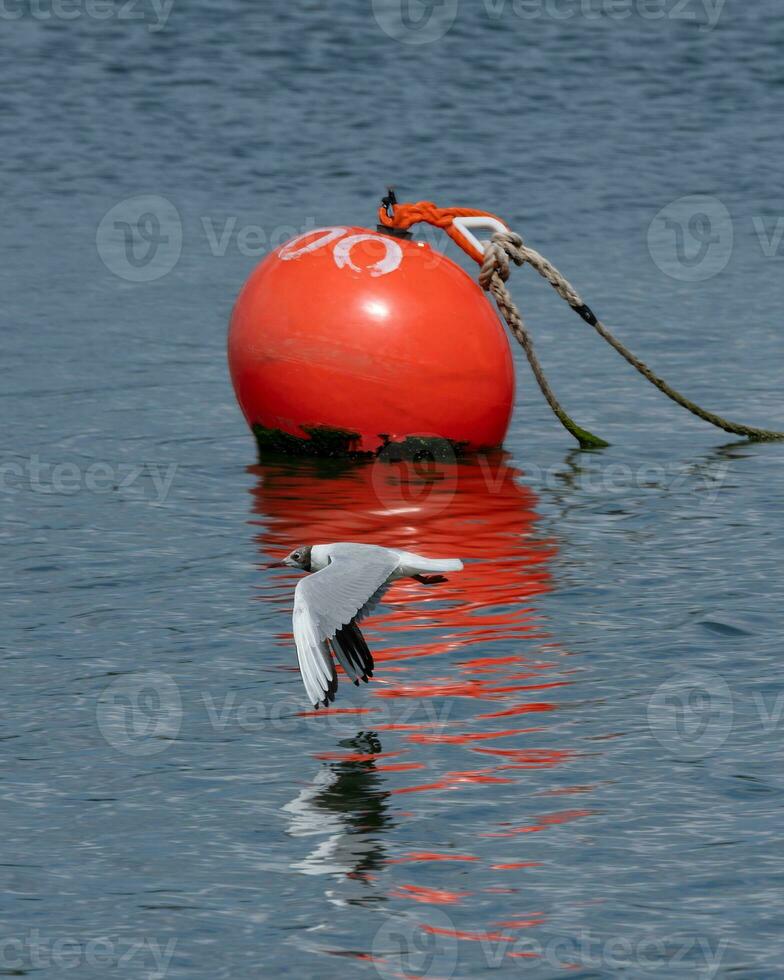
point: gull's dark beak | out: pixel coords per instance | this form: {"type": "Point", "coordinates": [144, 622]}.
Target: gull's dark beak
{"type": "Point", "coordinates": [274, 564]}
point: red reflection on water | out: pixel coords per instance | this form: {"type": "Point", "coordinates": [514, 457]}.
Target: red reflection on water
{"type": "Point", "coordinates": [542, 823]}
{"type": "Point", "coordinates": [520, 709]}
{"type": "Point", "coordinates": [472, 936]}
{"type": "Point", "coordinates": [476, 510]}
{"type": "Point", "coordinates": [454, 779]}
{"type": "Point", "coordinates": [475, 645]}
{"type": "Point", "coordinates": [433, 896]}
{"type": "Point", "coordinates": [514, 865]}
{"type": "Point", "coordinates": [564, 816]}
{"type": "Point", "coordinates": [528, 758]}
{"type": "Point", "coordinates": [425, 692]}
{"type": "Point", "coordinates": [430, 856]}
{"type": "Point", "coordinates": [465, 737]}
{"type": "Point", "coordinates": [335, 711]}
{"type": "Point", "coordinates": [520, 923]}
{"type": "Point", "coordinates": [354, 756]}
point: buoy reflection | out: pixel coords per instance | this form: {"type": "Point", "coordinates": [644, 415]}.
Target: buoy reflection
{"type": "Point", "coordinates": [468, 675]}
{"type": "Point", "coordinates": [466, 640]}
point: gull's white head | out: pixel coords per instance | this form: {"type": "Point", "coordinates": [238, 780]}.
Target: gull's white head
{"type": "Point", "coordinates": [299, 558]}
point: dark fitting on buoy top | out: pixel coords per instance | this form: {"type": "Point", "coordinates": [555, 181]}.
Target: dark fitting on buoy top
{"type": "Point", "coordinates": [388, 203]}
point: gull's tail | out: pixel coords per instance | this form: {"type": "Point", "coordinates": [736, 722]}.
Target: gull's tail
{"type": "Point", "coordinates": [352, 652]}
{"type": "Point", "coordinates": [443, 565]}
{"type": "Point", "coordinates": [414, 564]}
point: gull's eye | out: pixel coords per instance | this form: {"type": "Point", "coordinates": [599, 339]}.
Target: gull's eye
{"type": "Point", "coordinates": [297, 556]}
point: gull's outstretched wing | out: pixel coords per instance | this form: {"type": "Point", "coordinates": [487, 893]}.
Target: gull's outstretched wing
{"type": "Point", "coordinates": [327, 601]}
{"type": "Point", "coordinates": [315, 663]}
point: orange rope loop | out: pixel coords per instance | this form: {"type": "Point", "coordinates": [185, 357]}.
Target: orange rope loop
{"type": "Point", "coordinates": [406, 215]}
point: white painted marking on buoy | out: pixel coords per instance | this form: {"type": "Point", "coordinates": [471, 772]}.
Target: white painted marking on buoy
{"type": "Point", "coordinates": [290, 250]}
{"type": "Point", "coordinates": [393, 254]}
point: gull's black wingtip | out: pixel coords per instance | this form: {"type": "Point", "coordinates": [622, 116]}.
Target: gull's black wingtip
{"type": "Point", "coordinates": [350, 644]}
{"type": "Point", "coordinates": [332, 690]}
{"type": "Point", "coordinates": [329, 694]}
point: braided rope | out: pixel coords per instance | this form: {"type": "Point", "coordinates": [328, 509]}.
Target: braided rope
{"type": "Point", "coordinates": [496, 267]}
{"type": "Point", "coordinates": [492, 277]}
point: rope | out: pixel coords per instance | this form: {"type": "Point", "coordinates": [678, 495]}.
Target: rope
{"type": "Point", "coordinates": [492, 279]}
{"type": "Point", "coordinates": [406, 215]}
{"type": "Point", "coordinates": [511, 245]}
{"type": "Point", "coordinates": [493, 275]}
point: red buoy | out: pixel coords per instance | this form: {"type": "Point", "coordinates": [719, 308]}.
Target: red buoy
{"type": "Point", "coordinates": [345, 339]}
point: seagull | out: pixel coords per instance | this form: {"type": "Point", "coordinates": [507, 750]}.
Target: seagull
{"type": "Point", "coordinates": [347, 582]}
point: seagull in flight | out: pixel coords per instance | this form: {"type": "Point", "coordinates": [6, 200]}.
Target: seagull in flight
{"type": "Point", "coordinates": [347, 582]}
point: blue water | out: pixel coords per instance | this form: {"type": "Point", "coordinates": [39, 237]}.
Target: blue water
{"type": "Point", "coordinates": [169, 807]}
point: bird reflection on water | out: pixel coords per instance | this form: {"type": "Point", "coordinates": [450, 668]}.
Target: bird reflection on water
{"type": "Point", "coordinates": [347, 802]}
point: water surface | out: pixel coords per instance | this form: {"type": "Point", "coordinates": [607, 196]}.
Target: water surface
{"type": "Point", "coordinates": [568, 764]}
